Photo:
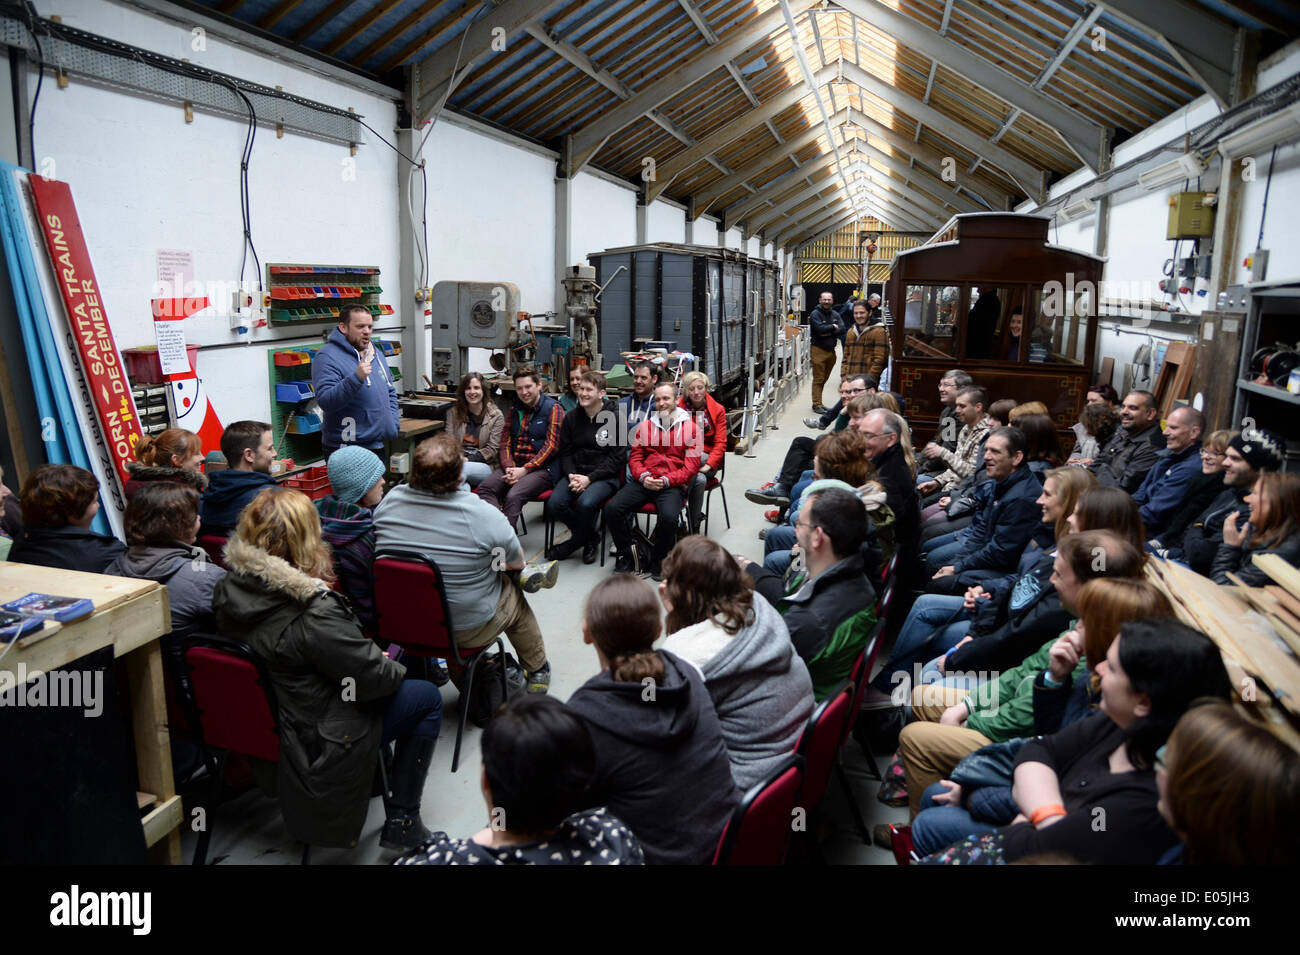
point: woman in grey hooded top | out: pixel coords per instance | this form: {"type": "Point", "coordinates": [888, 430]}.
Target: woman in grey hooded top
{"type": "Point", "coordinates": [760, 686]}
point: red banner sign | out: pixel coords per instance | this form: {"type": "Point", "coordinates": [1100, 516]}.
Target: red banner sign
{"type": "Point", "coordinates": [100, 360]}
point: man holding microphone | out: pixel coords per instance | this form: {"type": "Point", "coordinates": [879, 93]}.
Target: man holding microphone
{"type": "Point", "coordinates": [353, 386]}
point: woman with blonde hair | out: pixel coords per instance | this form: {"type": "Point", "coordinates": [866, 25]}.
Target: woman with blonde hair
{"type": "Point", "coordinates": [661, 759]}
{"type": "Point", "coordinates": [340, 698]}
{"type": "Point", "coordinates": [171, 455]}
{"type": "Point", "coordinates": [711, 424]}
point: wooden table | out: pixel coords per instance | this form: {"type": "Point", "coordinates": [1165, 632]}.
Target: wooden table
{"type": "Point", "coordinates": [410, 432]}
{"type": "Point", "coordinates": [130, 615]}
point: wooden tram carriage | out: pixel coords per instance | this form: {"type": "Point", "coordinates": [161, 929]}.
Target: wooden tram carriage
{"type": "Point", "coordinates": [1005, 262]}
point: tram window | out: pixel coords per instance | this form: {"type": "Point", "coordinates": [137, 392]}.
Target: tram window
{"type": "Point", "coordinates": [989, 330]}
{"type": "Point", "coordinates": [930, 319]}
{"type": "Point", "coordinates": [1061, 333]}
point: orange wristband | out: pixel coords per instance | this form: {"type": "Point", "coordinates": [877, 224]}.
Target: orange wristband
{"type": "Point", "coordinates": [1045, 812]}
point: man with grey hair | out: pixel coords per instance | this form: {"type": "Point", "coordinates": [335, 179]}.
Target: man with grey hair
{"type": "Point", "coordinates": [883, 430]}
{"type": "Point", "coordinates": [1165, 487]}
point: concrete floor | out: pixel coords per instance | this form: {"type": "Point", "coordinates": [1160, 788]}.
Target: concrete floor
{"type": "Point", "coordinates": [248, 829]}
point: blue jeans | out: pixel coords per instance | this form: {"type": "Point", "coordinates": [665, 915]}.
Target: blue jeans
{"type": "Point", "coordinates": [928, 632]}
{"type": "Point", "coordinates": [473, 473]}
{"type": "Point", "coordinates": [779, 538]}
{"type": "Point", "coordinates": [943, 555]}
{"type": "Point", "coordinates": [578, 512]}
{"type": "Point", "coordinates": [936, 542]}
{"type": "Point", "coordinates": [939, 826]}
{"type": "Point", "coordinates": [414, 710]}
{"type": "Point", "coordinates": [800, 486]}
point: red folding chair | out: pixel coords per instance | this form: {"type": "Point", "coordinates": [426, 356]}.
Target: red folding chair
{"type": "Point", "coordinates": [759, 831]}
{"type": "Point", "coordinates": [234, 710]}
{"type": "Point", "coordinates": [411, 611]}
{"type": "Point", "coordinates": [715, 484]}
{"type": "Point", "coordinates": [820, 743]}
{"type": "Point", "coordinates": [523, 524]}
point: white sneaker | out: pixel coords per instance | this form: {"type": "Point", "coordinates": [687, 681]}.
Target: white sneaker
{"type": "Point", "coordinates": [814, 422]}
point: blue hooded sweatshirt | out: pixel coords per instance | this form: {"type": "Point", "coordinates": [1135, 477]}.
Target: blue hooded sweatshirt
{"type": "Point", "coordinates": [372, 404]}
{"type": "Point", "coordinates": [227, 495]}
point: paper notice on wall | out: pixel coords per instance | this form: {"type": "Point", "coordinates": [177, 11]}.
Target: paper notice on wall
{"type": "Point", "coordinates": [171, 347]}
{"type": "Point", "coordinates": [175, 268]}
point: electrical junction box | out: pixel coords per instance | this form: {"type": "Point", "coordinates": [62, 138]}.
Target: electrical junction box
{"type": "Point", "coordinates": [1189, 216]}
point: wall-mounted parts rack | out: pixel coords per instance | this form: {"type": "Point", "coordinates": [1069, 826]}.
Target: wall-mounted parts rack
{"type": "Point", "coordinates": [316, 293]}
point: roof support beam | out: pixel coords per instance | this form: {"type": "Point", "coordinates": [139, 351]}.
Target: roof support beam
{"type": "Point", "coordinates": [778, 190]}
{"type": "Point", "coordinates": [1030, 178]}
{"type": "Point", "coordinates": [912, 201]}
{"type": "Point", "coordinates": [1196, 38]}
{"type": "Point", "coordinates": [1080, 133]}
{"type": "Point", "coordinates": [760, 217]}
{"type": "Point", "coordinates": [436, 78]}
{"type": "Point", "coordinates": [697, 18]}
{"type": "Point", "coordinates": [679, 162]}
{"type": "Point", "coordinates": [588, 139]}
{"type": "Point", "coordinates": [717, 190]}
{"type": "Point", "coordinates": [920, 178]}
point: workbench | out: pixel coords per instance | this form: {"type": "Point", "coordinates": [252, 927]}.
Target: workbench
{"type": "Point", "coordinates": [130, 615]}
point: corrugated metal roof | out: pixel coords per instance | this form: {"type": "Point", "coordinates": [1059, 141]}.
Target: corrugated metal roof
{"type": "Point", "coordinates": [555, 70]}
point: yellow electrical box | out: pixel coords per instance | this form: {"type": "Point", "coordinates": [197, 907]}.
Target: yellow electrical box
{"type": "Point", "coordinates": [1189, 217]}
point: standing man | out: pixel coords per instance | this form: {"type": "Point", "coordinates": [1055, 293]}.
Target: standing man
{"type": "Point", "coordinates": [825, 328]}
{"type": "Point", "coordinates": [665, 455]}
{"type": "Point", "coordinates": [1132, 450]}
{"type": "Point", "coordinates": [353, 386]}
{"type": "Point", "coordinates": [866, 344]}
{"type": "Point", "coordinates": [530, 450]}
{"type": "Point", "coordinates": [591, 467]}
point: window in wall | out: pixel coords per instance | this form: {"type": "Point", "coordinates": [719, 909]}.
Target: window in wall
{"type": "Point", "coordinates": [989, 331]}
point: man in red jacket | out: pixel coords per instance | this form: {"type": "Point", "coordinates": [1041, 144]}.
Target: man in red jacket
{"type": "Point", "coordinates": [665, 456]}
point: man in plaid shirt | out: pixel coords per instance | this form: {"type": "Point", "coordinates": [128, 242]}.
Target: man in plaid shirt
{"type": "Point", "coordinates": [530, 451]}
{"type": "Point", "coordinates": [963, 461]}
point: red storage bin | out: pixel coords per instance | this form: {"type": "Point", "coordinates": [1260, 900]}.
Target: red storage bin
{"type": "Point", "coordinates": [144, 368]}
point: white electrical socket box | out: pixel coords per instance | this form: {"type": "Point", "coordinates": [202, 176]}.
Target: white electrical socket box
{"type": "Point", "coordinates": [400, 463]}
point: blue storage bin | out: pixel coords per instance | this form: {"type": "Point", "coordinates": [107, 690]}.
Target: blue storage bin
{"type": "Point", "coordinates": [293, 391]}
{"type": "Point", "coordinates": [304, 424]}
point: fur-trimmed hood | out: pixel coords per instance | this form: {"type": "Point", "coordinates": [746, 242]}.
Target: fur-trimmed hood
{"type": "Point", "coordinates": [275, 572]}
{"type": "Point", "coordinates": [145, 473]}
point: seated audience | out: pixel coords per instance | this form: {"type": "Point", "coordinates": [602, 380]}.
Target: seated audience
{"type": "Point", "coordinates": [11, 518]}
{"type": "Point", "coordinates": [476, 551]}
{"type": "Point", "coordinates": [955, 508]}
{"type": "Point", "coordinates": [1042, 442]}
{"type": "Point", "coordinates": [711, 424]}
{"type": "Point", "coordinates": [1027, 407]}
{"type": "Point", "coordinates": [798, 459]}
{"type": "Point", "coordinates": [941, 732]}
{"type": "Point", "coordinates": [1125, 459]}
{"type": "Point", "coordinates": [739, 643]}
{"type": "Point", "coordinates": [1054, 687]}
{"type": "Point", "coordinates": [938, 622]}
{"type": "Point", "coordinates": [949, 426]}
{"type": "Point", "coordinates": [538, 764]}
{"type": "Point", "coordinates": [569, 399]}
{"type": "Point", "coordinates": [171, 455]}
{"type": "Point", "coordinates": [530, 448]}
{"type": "Point", "coordinates": [277, 599]}
{"type": "Point", "coordinates": [1007, 516]}
{"type": "Point", "coordinates": [1102, 393]}
{"type": "Point", "coordinates": [476, 423]}
{"type": "Point", "coordinates": [1166, 484]}
{"type": "Point", "coordinates": [661, 759]}
{"type": "Point", "coordinates": [592, 459]}
{"type": "Point", "coordinates": [1249, 454]}
{"type": "Point", "coordinates": [832, 612]}
{"type": "Point", "coordinates": [1102, 767]}
{"type": "Point", "coordinates": [889, 449]}
{"type": "Point", "coordinates": [961, 461]}
{"type": "Point", "coordinates": [639, 404]}
{"type": "Point", "coordinates": [1202, 489]}
{"type": "Point", "coordinates": [1229, 788]}
{"type": "Point", "coordinates": [838, 414]}
{"type": "Point", "coordinates": [162, 523]}
{"type": "Point", "coordinates": [249, 452]}
{"type": "Point", "coordinates": [347, 522]}
{"type": "Point", "coordinates": [59, 503]}
{"type": "Point", "coordinates": [664, 457]}
{"type": "Point", "coordinates": [1273, 528]}
{"type": "Point", "coordinates": [1096, 426]}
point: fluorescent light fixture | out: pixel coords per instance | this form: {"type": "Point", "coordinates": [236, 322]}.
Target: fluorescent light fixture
{"type": "Point", "coordinates": [1262, 133]}
{"type": "Point", "coordinates": [1186, 166]}
{"type": "Point", "coordinates": [1076, 210]}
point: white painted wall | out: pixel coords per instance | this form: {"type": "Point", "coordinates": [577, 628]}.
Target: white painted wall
{"type": "Point", "coordinates": [497, 228]}
{"type": "Point", "coordinates": [143, 180]}
{"type": "Point", "coordinates": [733, 240]}
{"type": "Point", "coordinates": [604, 215]}
{"type": "Point", "coordinates": [665, 222]}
